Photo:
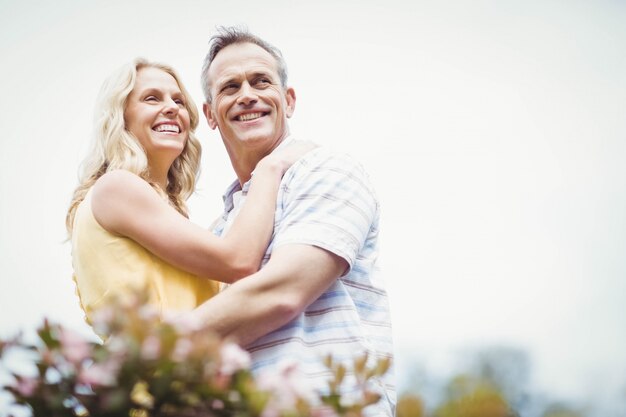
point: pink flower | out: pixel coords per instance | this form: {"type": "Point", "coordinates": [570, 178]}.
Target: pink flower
{"type": "Point", "coordinates": [26, 386]}
{"type": "Point", "coordinates": [182, 349]}
{"type": "Point", "coordinates": [103, 374]}
{"type": "Point", "coordinates": [102, 317]}
{"type": "Point", "coordinates": [117, 345]}
{"type": "Point", "coordinates": [324, 411]}
{"type": "Point", "coordinates": [233, 358]}
{"type": "Point", "coordinates": [148, 313]}
{"type": "Point", "coordinates": [184, 323]}
{"type": "Point", "coordinates": [217, 404]}
{"type": "Point", "coordinates": [151, 348]}
{"type": "Point", "coordinates": [73, 346]}
{"type": "Point", "coordinates": [287, 386]}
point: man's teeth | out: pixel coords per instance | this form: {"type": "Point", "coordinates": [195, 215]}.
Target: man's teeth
{"type": "Point", "coordinates": [249, 116]}
{"type": "Point", "coordinates": [167, 128]}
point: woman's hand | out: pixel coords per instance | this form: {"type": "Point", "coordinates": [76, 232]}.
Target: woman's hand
{"type": "Point", "coordinates": [288, 155]}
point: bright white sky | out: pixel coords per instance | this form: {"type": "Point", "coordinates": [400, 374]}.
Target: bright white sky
{"type": "Point", "coordinates": [493, 131]}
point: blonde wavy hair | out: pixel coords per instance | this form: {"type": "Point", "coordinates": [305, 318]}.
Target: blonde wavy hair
{"type": "Point", "coordinates": [114, 147]}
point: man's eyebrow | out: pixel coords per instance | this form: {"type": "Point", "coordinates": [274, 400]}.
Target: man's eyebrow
{"type": "Point", "coordinates": [258, 74]}
{"type": "Point", "coordinates": [235, 79]}
{"type": "Point", "coordinates": [227, 80]}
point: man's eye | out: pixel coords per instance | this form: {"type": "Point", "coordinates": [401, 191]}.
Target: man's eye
{"type": "Point", "coordinates": [229, 88]}
{"type": "Point", "coordinates": [263, 81]}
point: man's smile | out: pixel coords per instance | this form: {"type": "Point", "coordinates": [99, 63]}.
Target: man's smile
{"type": "Point", "coordinates": [250, 116]}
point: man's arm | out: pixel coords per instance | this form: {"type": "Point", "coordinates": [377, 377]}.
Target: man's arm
{"type": "Point", "coordinates": [294, 277]}
{"type": "Point", "coordinates": [328, 211]}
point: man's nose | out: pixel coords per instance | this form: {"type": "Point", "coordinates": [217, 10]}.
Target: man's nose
{"type": "Point", "coordinates": [247, 94]}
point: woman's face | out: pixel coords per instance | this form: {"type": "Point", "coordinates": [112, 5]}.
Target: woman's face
{"type": "Point", "coordinates": [156, 115]}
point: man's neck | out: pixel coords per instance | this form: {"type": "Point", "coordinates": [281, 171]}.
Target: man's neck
{"type": "Point", "coordinates": [245, 163]}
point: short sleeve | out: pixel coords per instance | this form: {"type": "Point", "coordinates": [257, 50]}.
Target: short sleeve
{"type": "Point", "coordinates": [327, 202]}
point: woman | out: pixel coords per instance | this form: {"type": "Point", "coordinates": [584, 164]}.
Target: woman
{"type": "Point", "coordinates": [128, 219]}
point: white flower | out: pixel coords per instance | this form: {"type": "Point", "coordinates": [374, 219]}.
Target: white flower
{"type": "Point", "coordinates": [234, 359]}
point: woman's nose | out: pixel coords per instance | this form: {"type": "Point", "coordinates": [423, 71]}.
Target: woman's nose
{"type": "Point", "coordinates": [170, 106]}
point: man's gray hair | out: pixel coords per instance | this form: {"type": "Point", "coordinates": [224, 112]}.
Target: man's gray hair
{"type": "Point", "coordinates": [226, 36]}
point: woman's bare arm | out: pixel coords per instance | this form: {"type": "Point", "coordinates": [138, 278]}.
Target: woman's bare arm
{"type": "Point", "coordinates": [125, 204]}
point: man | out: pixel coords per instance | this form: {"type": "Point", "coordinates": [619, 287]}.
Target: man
{"type": "Point", "coordinates": [318, 291]}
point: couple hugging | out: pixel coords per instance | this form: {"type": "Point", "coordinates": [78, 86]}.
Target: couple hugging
{"type": "Point", "coordinates": [297, 242]}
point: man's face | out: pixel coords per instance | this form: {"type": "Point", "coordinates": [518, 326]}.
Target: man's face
{"type": "Point", "coordinates": [249, 106]}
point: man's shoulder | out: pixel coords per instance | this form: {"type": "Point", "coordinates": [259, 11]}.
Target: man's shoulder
{"type": "Point", "coordinates": [327, 154]}
{"type": "Point", "coordinates": [327, 161]}
{"type": "Point", "coordinates": [336, 175]}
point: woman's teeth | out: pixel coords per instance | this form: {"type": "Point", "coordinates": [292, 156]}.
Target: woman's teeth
{"type": "Point", "coordinates": [167, 128]}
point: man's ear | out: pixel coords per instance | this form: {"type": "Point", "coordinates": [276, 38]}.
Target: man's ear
{"type": "Point", "coordinates": [290, 96]}
{"type": "Point", "coordinates": [206, 109]}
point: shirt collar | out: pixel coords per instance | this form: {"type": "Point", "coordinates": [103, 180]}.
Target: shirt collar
{"type": "Point", "coordinates": [227, 197]}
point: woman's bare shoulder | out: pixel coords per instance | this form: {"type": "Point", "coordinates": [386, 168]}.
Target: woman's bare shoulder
{"type": "Point", "coordinates": [119, 181]}
{"type": "Point", "coordinates": [117, 195]}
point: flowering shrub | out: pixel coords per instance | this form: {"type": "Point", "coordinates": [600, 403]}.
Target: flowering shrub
{"type": "Point", "coordinates": [153, 368]}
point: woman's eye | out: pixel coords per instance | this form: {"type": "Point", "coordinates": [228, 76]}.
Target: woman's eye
{"type": "Point", "coordinates": [151, 98]}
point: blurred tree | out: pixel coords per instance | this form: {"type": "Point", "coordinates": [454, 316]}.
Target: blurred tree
{"type": "Point", "coordinates": [491, 382]}
{"type": "Point", "coordinates": [561, 410]}
{"type": "Point", "coordinates": [506, 368]}
{"type": "Point", "coordinates": [472, 396]}
{"type": "Point", "coordinates": [410, 405]}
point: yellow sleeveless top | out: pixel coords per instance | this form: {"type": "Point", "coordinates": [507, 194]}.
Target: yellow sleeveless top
{"type": "Point", "coordinates": [105, 263]}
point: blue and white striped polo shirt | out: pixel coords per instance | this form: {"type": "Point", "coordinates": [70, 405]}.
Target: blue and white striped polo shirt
{"type": "Point", "coordinates": [326, 200]}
